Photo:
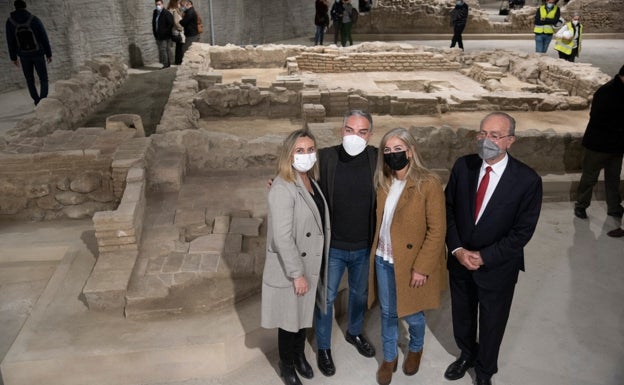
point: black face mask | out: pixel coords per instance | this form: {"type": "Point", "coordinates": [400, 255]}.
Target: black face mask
{"type": "Point", "coordinates": [396, 160]}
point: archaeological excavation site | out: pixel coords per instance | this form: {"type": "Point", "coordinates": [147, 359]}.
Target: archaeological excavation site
{"type": "Point", "coordinates": [163, 282]}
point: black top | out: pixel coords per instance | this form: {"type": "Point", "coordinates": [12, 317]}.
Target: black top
{"type": "Point", "coordinates": [318, 199]}
{"type": "Point", "coordinates": [605, 130]}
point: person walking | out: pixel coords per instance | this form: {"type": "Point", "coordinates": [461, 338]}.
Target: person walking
{"type": "Point", "coordinates": [162, 23]}
{"type": "Point", "coordinates": [603, 148]}
{"type": "Point", "coordinates": [297, 247]}
{"type": "Point", "coordinates": [346, 179]}
{"type": "Point", "coordinates": [29, 46]}
{"type": "Point", "coordinates": [493, 203]}
{"type": "Point", "coordinates": [459, 18]}
{"type": "Point", "coordinates": [321, 21]}
{"type": "Point", "coordinates": [177, 32]}
{"type": "Point", "coordinates": [546, 17]}
{"type": "Point", "coordinates": [568, 39]}
{"type": "Point", "coordinates": [407, 262]}
{"type": "Point", "coordinates": [336, 12]}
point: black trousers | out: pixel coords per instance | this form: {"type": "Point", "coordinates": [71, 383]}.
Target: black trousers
{"type": "Point", "coordinates": [457, 35]}
{"type": "Point", "coordinates": [473, 307]}
{"type": "Point", "coordinates": [290, 344]}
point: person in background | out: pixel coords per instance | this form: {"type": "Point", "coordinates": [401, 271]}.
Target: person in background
{"type": "Point", "coordinates": [336, 16]}
{"type": "Point", "coordinates": [568, 39]}
{"type": "Point", "coordinates": [177, 32]}
{"type": "Point", "coordinates": [189, 22]}
{"type": "Point", "coordinates": [346, 180]}
{"type": "Point", "coordinates": [493, 203]}
{"type": "Point", "coordinates": [407, 262]}
{"type": "Point", "coordinates": [30, 48]}
{"type": "Point", "coordinates": [459, 18]}
{"type": "Point", "coordinates": [162, 23]}
{"type": "Point", "coordinates": [347, 23]}
{"type": "Point", "coordinates": [546, 17]}
{"type": "Point", "coordinates": [321, 21]}
{"type": "Point", "coordinates": [603, 144]}
{"type": "Point", "coordinates": [295, 269]}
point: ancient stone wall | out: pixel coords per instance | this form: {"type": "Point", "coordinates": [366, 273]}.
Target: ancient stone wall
{"type": "Point", "coordinates": [67, 174]}
{"type": "Point", "coordinates": [334, 61]}
{"type": "Point", "coordinates": [78, 31]}
{"type": "Point", "coordinates": [72, 100]}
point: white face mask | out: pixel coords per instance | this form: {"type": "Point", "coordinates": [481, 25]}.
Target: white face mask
{"type": "Point", "coordinates": [575, 22]}
{"type": "Point", "coordinates": [353, 144]}
{"type": "Point", "coordinates": [159, 8]}
{"type": "Point", "coordinates": [304, 162]}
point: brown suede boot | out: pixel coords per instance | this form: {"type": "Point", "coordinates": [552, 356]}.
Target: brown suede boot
{"type": "Point", "coordinates": [412, 363]}
{"type": "Point", "coordinates": [384, 373]}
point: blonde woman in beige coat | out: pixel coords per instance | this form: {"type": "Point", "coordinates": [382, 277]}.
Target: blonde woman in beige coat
{"type": "Point", "coordinates": [407, 259]}
{"type": "Point", "coordinates": [297, 248]}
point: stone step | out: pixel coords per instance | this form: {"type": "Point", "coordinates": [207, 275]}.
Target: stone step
{"type": "Point", "coordinates": [107, 348]}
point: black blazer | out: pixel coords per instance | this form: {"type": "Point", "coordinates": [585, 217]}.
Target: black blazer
{"type": "Point", "coordinates": [506, 225]}
{"type": "Point", "coordinates": [162, 31]}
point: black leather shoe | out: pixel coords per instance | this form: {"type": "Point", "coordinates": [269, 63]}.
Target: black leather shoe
{"type": "Point", "coordinates": [325, 362]}
{"type": "Point", "coordinates": [303, 367]}
{"type": "Point", "coordinates": [288, 374]}
{"type": "Point", "coordinates": [362, 345]}
{"type": "Point", "coordinates": [580, 212]}
{"type": "Point", "coordinates": [617, 214]}
{"type": "Point", "coordinates": [483, 381]}
{"type": "Point", "coordinates": [457, 369]}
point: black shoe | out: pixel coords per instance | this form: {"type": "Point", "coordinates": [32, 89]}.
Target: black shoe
{"type": "Point", "coordinates": [303, 367]}
{"type": "Point", "coordinates": [362, 345]}
{"type": "Point", "coordinates": [617, 214]}
{"type": "Point", "coordinates": [580, 212]}
{"type": "Point", "coordinates": [325, 362]}
{"type": "Point", "coordinates": [483, 381]}
{"type": "Point", "coordinates": [457, 369]}
{"type": "Point", "coordinates": [288, 374]}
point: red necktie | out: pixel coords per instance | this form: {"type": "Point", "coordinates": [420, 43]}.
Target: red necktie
{"type": "Point", "coordinates": [481, 190]}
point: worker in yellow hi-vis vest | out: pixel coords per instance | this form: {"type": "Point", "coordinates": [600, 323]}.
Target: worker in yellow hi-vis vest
{"type": "Point", "coordinates": [568, 39]}
{"type": "Point", "coordinates": [546, 17]}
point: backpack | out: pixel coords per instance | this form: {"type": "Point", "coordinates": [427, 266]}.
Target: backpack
{"type": "Point", "coordinates": [25, 36]}
{"type": "Point", "coordinates": [200, 23]}
{"type": "Point", "coordinates": [354, 15]}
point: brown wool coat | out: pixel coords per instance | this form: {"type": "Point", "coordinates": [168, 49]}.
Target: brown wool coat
{"type": "Point", "coordinates": [417, 233]}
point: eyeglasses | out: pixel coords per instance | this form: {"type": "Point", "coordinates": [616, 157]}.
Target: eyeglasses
{"type": "Point", "coordinates": [494, 137]}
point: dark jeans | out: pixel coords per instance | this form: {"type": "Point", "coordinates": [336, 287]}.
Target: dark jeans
{"type": "Point", "coordinates": [179, 53]}
{"type": "Point", "coordinates": [337, 28]}
{"type": "Point", "coordinates": [457, 35]}
{"type": "Point", "coordinates": [569, 57]}
{"type": "Point", "coordinates": [593, 162]}
{"type": "Point", "coordinates": [345, 32]}
{"type": "Point", "coordinates": [30, 64]}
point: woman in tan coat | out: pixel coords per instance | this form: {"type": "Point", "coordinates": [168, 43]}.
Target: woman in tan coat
{"type": "Point", "coordinates": [408, 265]}
{"type": "Point", "coordinates": [297, 247]}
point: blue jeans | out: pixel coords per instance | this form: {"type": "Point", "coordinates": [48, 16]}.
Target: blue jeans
{"type": "Point", "coordinates": [356, 263]}
{"type": "Point", "coordinates": [30, 64]}
{"type": "Point", "coordinates": [318, 36]}
{"type": "Point", "coordinates": [542, 40]}
{"type": "Point", "coordinates": [386, 285]}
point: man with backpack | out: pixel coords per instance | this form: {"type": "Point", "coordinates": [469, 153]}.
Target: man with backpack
{"type": "Point", "coordinates": [29, 45]}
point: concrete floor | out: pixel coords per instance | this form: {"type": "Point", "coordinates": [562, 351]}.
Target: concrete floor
{"type": "Point", "coordinates": [565, 326]}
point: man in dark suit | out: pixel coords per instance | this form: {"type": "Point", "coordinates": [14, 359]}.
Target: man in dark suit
{"type": "Point", "coordinates": [162, 22]}
{"type": "Point", "coordinates": [493, 203]}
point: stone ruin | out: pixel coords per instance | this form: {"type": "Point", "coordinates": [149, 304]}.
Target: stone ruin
{"type": "Point", "coordinates": [158, 238]}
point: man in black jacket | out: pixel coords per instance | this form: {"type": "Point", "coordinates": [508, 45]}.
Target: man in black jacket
{"type": "Point", "coordinates": [459, 18]}
{"type": "Point", "coordinates": [336, 15]}
{"type": "Point", "coordinates": [28, 40]}
{"type": "Point", "coordinates": [346, 179]}
{"type": "Point", "coordinates": [604, 148]}
{"type": "Point", "coordinates": [189, 22]}
{"type": "Point", "coordinates": [162, 22]}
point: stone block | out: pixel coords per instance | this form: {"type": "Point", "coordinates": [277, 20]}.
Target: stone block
{"type": "Point", "coordinates": [191, 262]}
{"type": "Point", "coordinates": [249, 80]}
{"type": "Point", "coordinates": [106, 289]}
{"type": "Point", "coordinates": [70, 198]}
{"type": "Point", "coordinates": [135, 174]}
{"type": "Point", "coordinates": [116, 261]}
{"type": "Point", "coordinates": [125, 121]}
{"type": "Point", "coordinates": [213, 243]}
{"type": "Point", "coordinates": [246, 226]}
{"type": "Point", "coordinates": [313, 113]}
{"type": "Point", "coordinates": [221, 225]}
{"type": "Point", "coordinates": [209, 262]}
{"type": "Point", "coordinates": [233, 243]}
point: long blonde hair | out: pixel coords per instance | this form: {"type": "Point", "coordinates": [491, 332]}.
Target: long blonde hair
{"type": "Point", "coordinates": [285, 156]}
{"type": "Point", "coordinates": [416, 170]}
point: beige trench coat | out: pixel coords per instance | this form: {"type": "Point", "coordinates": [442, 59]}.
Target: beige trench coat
{"type": "Point", "coordinates": [417, 233]}
{"type": "Point", "coordinates": [296, 245]}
